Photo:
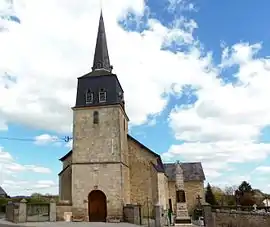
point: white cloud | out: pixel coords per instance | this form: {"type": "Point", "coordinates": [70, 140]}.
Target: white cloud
{"type": "Point", "coordinates": [231, 181]}
{"type": "Point", "coordinates": [262, 169]}
{"type": "Point", "coordinates": [53, 51]}
{"type": "Point", "coordinates": [45, 184]}
{"type": "Point", "coordinates": [37, 169]}
{"type": "Point", "coordinates": [21, 187]}
{"type": "Point", "coordinates": [46, 139]}
{"type": "Point", "coordinates": [69, 144]}
{"type": "Point", "coordinates": [227, 119]}
{"type": "Point", "coordinates": [9, 167]}
{"type": "Point", "coordinates": [181, 5]}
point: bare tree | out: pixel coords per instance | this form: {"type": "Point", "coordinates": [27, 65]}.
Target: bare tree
{"type": "Point", "coordinates": [230, 190]}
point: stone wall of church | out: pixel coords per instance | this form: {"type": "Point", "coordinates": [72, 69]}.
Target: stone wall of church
{"type": "Point", "coordinates": [126, 184]}
{"type": "Point", "coordinates": [143, 176]}
{"type": "Point", "coordinates": [98, 150]}
{"type": "Point", "coordinates": [67, 161]}
{"type": "Point", "coordinates": [172, 194]}
{"type": "Point", "coordinates": [97, 142]}
{"type": "Point", "coordinates": [104, 177]}
{"type": "Point", "coordinates": [192, 190]}
{"type": "Point", "coordinates": [163, 188]}
{"type": "Point", "coordinates": [65, 184]}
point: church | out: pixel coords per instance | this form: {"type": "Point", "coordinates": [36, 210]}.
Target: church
{"type": "Point", "coordinates": [107, 168]}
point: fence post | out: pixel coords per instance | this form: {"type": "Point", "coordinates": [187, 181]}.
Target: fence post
{"type": "Point", "coordinates": [52, 211]}
{"type": "Point", "coordinates": [22, 211]}
{"type": "Point", "coordinates": [159, 216]}
{"type": "Point", "coordinates": [208, 216]}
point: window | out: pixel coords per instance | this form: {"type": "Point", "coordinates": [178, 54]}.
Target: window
{"type": "Point", "coordinates": [102, 95]}
{"type": "Point", "coordinates": [95, 117]}
{"type": "Point", "coordinates": [89, 96]}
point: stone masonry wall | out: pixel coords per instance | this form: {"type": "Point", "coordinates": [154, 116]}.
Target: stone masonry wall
{"type": "Point", "coordinates": [104, 177]}
{"type": "Point", "coordinates": [60, 211]}
{"type": "Point", "coordinates": [97, 142]}
{"type": "Point", "coordinates": [172, 194]}
{"type": "Point", "coordinates": [154, 185]}
{"type": "Point", "coordinates": [67, 161]}
{"type": "Point", "coordinates": [163, 190]}
{"type": "Point", "coordinates": [126, 184]}
{"type": "Point", "coordinates": [124, 157]}
{"type": "Point", "coordinates": [192, 190]}
{"type": "Point", "coordinates": [241, 219]}
{"type": "Point", "coordinates": [65, 184]}
{"type": "Point", "coordinates": [98, 150]}
{"type": "Point", "coordinates": [143, 177]}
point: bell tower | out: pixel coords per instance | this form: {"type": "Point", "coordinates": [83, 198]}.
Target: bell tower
{"type": "Point", "coordinates": [100, 127]}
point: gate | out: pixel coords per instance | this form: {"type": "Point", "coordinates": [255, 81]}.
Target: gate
{"type": "Point", "coordinates": [37, 212]}
{"type": "Point", "coordinates": [147, 213]}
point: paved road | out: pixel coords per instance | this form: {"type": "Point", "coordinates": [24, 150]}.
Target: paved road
{"type": "Point", "coordinates": [4, 223]}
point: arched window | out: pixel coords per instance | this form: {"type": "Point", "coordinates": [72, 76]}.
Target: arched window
{"type": "Point", "coordinates": [89, 97]}
{"type": "Point", "coordinates": [102, 95]}
{"type": "Point", "coordinates": [95, 117]}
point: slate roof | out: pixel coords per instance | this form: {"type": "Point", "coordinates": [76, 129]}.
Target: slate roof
{"type": "Point", "coordinates": [192, 171]}
{"type": "Point", "coordinates": [65, 156]}
{"type": "Point", "coordinates": [2, 192]}
{"type": "Point", "coordinates": [101, 57]}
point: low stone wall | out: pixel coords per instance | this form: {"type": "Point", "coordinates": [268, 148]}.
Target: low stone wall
{"type": "Point", "coordinates": [132, 214]}
{"type": "Point", "coordinates": [61, 208]}
{"type": "Point", "coordinates": [12, 211]}
{"type": "Point", "coordinates": [17, 212]}
{"type": "Point", "coordinates": [235, 218]}
{"type": "Point", "coordinates": [241, 219]}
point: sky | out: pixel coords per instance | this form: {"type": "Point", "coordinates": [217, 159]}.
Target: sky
{"type": "Point", "coordinates": [199, 71]}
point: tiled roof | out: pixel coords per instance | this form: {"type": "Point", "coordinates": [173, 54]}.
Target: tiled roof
{"type": "Point", "coordinates": [192, 171]}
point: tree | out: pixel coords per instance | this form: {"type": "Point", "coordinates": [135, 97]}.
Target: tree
{"type": "Point", "coordinates": [219, 194]}
{"type": "Point", "coordinates": [229, 195]}
{"type": "Point", "coordinates": [247, 199]}
{"type": "Point", "coordinates": [245, 187]}
{"type": "Point", "coordinates": [36, 195]}
{"type": "Point", "coordinates": [230, 190]}
{"type": "Point", "coordinates": [209, 196]}
{"type": "Point", "coordinates": [246, 194]}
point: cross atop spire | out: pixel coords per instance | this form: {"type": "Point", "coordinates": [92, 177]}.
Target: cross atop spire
{"type": "Point", "coordinates": [101, 57]}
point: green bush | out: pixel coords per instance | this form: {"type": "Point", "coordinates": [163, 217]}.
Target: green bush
{"type": "Point", "coordinates": [4, 201]}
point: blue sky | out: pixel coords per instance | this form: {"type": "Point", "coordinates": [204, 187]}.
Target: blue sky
{"type": "Point", "coordinates": [199, 69]}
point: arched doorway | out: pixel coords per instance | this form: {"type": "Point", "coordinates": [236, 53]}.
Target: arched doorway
{"type": "Point", "coordinates": [97, 206]}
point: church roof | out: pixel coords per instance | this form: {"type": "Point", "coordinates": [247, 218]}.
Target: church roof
{"type": "Point", "coordinates": [65, 156]}
{"type": "Point", "coordinates": [2, 191]}
{"type": "Point", "coordinates": [192, 171]}
{"type": "Point", "coordinates": [101, 57]}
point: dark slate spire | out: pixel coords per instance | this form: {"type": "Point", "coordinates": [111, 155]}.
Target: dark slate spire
{"type": "Point", "coordinates": [101, 58]}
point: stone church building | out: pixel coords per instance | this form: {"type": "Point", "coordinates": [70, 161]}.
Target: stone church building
{"type": "Point", "coordinates": [107, 168]}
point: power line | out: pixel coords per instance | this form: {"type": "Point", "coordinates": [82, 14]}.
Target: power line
{"type": "Point", "coordinates": [63, 139]}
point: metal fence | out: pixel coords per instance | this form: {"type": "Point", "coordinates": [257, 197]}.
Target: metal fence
{"type": "Point", "coordinates": [38, 212]}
